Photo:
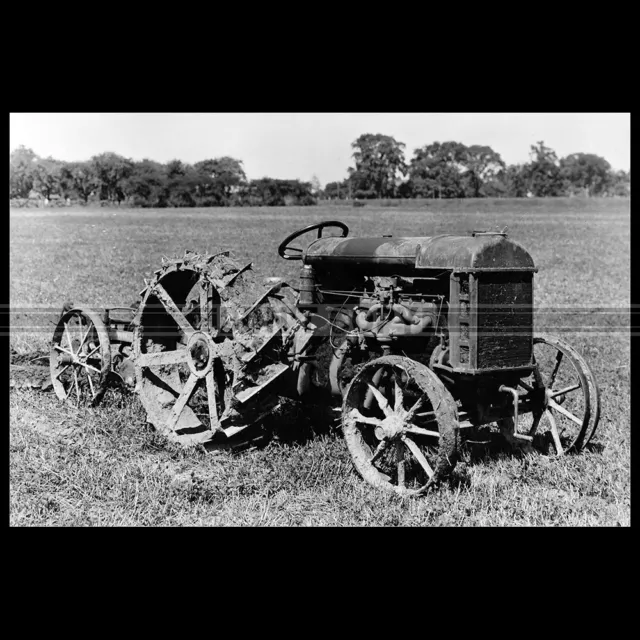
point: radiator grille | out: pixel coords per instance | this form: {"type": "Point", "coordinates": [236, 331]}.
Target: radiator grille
{"type": "Point", "coordinates": [505, 320]}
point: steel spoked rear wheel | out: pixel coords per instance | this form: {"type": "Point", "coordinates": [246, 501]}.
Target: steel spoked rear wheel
{"type": "Point", "coordinates": [401, 425]}
{"type": "Point", "coordinates": [80, 358]}
{"type": "Point", "coordinates": [568, 402]}
{"type": "Point", "coordinates": [180, 375]}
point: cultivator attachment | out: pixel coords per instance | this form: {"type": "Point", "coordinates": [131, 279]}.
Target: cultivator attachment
{"type": "Point", "coordinates": [211, 347]}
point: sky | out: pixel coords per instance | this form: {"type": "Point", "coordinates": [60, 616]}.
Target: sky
{"type": "Point", "coordinates": [303, 145]}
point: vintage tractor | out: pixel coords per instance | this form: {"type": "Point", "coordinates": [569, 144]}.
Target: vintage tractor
{"type": "Point", "coordinates": [421, 341]}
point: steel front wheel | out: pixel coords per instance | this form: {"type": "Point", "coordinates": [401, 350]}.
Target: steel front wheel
{"type": "Point", "coordinates": [401, 425]}
{"type": "Point", "coordinates": [80, 358]}
{"type": "Point", "coordinates": [565, 397]}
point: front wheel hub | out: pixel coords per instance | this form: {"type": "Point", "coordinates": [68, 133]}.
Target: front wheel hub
{"type": "Point", "coordinates": [390, 428]}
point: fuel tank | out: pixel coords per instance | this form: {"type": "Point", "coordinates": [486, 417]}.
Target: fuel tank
{"type": "Point", "coordinates": [481, 251]}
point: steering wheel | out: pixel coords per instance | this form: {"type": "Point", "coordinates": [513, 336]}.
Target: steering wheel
{"type": "Point", "coordinates": [284, 246]}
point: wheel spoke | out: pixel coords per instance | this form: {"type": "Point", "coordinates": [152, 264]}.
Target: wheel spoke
{"type": "Point", "coordinates": [59, 348]}
{"type": "Point", "coordinates": [163, 383]}
{"type": "Point", "coordinates": [400, 461]}
{"type": "Point", "coordinates": [77, 329]}
{"type": "Point", "coordinates": [182, 401]}
{"type": "Point", "coordinates": [382, 401]}
{"type": "Point", "coordinates": [399, 396]}
{"type": "Point", "coordinates": [573, 387]}
{"type": "Point", "coordinates": [93, 391]}
{"type": "Point", "coordinates": [375, 380]}
{"type": "Point", "coordinates": [92, 352]}
{"type": "Point", "coordinates": [88, 366]}
{"type": "Point", "coordinates": [205, 307]}
{"type": "Point", "coordinates": [536, 422]}
{"type": "Point", "coordinates": [554, 432]}
{"type": "Point", "coordinates": [525, 386]}
{"type": "Point", "coordinates": [415, 449]}
{"type": "Point", "coordinates": [360, 418]}
{"type": "Point", "coordinates": [412, 412]}
{"type": "Point", "coordinates": [173, 310]}
{"type": "Point", "coordinates": [422, 432]}
{"type": "Point", "coordinates": [564, 412]}
{"type": "Point", "coordinates": [68, 334]}
{"type": "Point", "coordinates": [555, 369]}
{"type": "Point", "coordinates": [537, 375]}
{"type": "Point", "coordinates": [85, 336]}
{"type": "Point", "coordinates": [58, 373]}
{"type": "Point", "coordinates": [211, 395]}
{"type": "Point", "coordinates": [75, 380]}
{"type": "Point", "coordinates": [162, 358]}
{"type": "Point", "coordinates": [379, 449]}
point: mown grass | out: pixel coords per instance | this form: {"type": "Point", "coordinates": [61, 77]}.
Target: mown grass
{"type": "Point", "coordinates": [106, 467]}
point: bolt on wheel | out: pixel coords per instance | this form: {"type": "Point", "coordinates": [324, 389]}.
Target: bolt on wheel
{"type": "Point", "coordinates": [401, 425]}
{"type": "Point", "coordinates": [80, 358]}
{"type": "Point", "coordinates": [567, 401]}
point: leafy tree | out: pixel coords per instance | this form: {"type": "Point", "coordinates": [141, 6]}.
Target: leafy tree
{"type": "Point", "coordinates": [21, 169]}
{"type": "Point", "coordinates": [436, 170]}
{"type": "Point", "coordinates": [482, 165]}
{"type": "Point", "coordinates": [515, 179]}
{"type": "Point", "coordinates": [184, 184]}
{"type": "Point", "coordinates": [23, 156]}
{"type": "Point", "coordinates": [147, 184]}
{"type": "Point", "coordinates": [176, 168]}
{"type": "Point", "coordinates": [378, 159]}
{"type": "Point", "coordinates": [271, 192]}
{"type": "Point", "coordinates": [359, 185]}
{"type": "Point", "coordinates": [222, 177]}
{"type": "Point", "coordinates": [543, 173]}
{"type": "Point", "coordinates": [78, 179]}
{"type": "Point", "coordinates": [338, 190]}
{"type": "Point", "coordinates": [112, 172]}
{"type": "Point", "coordinates": [405, 189]}
{"type": "Point", "coordinates": [298, 192]}
{"type": "Point", "coordinates": [46, 176]}
{"type": "Point", "coordinates": [619, 183]}
{"type": "Point", "coordinates": [586, 172]}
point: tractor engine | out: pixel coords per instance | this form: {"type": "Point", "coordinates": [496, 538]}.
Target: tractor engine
{"type": "Point", "coordinates": [397, 309]}
{"type": "Point", "coordinates": [469, 296]}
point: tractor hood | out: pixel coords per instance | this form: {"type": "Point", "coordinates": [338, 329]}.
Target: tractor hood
{"type": "Point", "coordinates": [482, 251]}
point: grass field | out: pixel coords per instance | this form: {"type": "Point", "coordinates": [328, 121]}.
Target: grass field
{"type": "Point", "coordinates": [104, 466]}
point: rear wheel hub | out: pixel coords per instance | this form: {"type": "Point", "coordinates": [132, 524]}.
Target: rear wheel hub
{"type": "Point", "coordinates": [201, 350]}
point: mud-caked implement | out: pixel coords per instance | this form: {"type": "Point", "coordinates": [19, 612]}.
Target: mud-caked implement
{"type": "Point", "coordinates": [421, 342]}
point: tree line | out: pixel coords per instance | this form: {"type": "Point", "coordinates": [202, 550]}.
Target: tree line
{"type": "Point", "coordinates": [111, 178]}
{"type": "Point", "coordinates": [438, 170]}
{"type": "Point", "coordinates": [455, 170]}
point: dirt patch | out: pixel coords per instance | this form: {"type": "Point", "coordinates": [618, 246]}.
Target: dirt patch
{"type": "Point", "coordinates": [29, 371]}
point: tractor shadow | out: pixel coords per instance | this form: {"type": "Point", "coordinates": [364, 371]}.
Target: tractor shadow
{"type": "Point", "coordinates": [295, 423]}
{"type": "Point", "coordinates": [291, 424]}
{"type": "Point", "coordinates": [489, 444]}
{"type": "Point", "coordinates": [486, 444]}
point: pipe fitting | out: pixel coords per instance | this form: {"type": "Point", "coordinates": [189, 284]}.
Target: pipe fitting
{"type": "Point", "coordinates": [516, 400]}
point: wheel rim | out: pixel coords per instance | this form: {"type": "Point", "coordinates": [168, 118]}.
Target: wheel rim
{"type": "Point", "coordinates": [181, 378]}
{"type": "Point", "coordinates": [400, 424]}
{"type": "Point", "coordinates": [80, 358]}
{"type": "Point", "coordinates": [567, 405]}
